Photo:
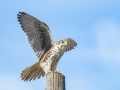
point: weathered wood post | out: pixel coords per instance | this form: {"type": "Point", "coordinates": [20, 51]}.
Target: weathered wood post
{"type": "Point", "coordinates": [55, 81]}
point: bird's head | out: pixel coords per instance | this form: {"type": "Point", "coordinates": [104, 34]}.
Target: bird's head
{"type": "Point", "coordinates": [62, 43]}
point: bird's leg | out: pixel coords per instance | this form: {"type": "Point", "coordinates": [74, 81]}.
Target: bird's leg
{"type": "Point", "coordinates": [56, 71]}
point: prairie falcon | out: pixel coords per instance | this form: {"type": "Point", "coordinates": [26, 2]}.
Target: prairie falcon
{"type": "Point", "coordinates": [46, 49]}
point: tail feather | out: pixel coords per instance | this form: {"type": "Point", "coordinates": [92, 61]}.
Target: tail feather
{"type": "Point", "coordinates": [32, 72]}
{"type": "Point", "coordinates": [36, 74]}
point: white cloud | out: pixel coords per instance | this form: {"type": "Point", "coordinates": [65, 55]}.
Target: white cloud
{"type": "Point", "coordinates": [107, 34]}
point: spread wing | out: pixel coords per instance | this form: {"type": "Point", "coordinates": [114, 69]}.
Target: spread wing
{"type": "Point", "coordinates": [39, 35]}
{"type": "Point", "coordinates": [70, 44]}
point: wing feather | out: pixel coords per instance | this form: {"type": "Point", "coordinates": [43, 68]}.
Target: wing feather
{"type": "Point", "coordinates": [39, 35]}
{"type": "Point", "coordinates": [70, 44]}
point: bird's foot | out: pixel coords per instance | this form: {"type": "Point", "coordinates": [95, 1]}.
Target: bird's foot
{"type": "Point", "coordinates": [58, 72]}
{"type": "Point", "coordinates": [55, 71]}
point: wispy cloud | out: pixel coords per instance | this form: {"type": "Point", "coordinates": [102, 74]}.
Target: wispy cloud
{"type": "Point", "coordinates": [107, 34]}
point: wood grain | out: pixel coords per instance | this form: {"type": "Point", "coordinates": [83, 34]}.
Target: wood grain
{"type": "Point", "coordinates": [55, 81]}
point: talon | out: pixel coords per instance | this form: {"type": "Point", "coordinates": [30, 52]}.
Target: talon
{"type": "Point", "coordinates": [54, 71]}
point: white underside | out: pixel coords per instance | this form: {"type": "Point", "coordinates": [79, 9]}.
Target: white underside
{"type": "Point", "coordinates": [46, 66]}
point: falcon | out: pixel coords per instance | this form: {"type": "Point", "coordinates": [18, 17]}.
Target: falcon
{"type": "Point", "coordinates": [46, 49]}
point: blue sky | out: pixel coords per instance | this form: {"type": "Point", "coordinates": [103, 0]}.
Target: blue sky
{"type": "Point", "coordinates": [94, 24]}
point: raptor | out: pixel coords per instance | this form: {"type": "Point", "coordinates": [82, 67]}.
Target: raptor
{"type": "Point", "coordinates": [46, 49]}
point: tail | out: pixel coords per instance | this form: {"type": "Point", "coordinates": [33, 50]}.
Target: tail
{"type": "Point", "coordinates": [32, 72]}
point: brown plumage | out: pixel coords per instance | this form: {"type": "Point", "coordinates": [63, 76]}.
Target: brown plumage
{"type": "Point", "coordinates": [47, 50]}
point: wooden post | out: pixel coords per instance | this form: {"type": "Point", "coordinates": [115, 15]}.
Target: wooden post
{"type": "Point", "coordinates": [55, 81]}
